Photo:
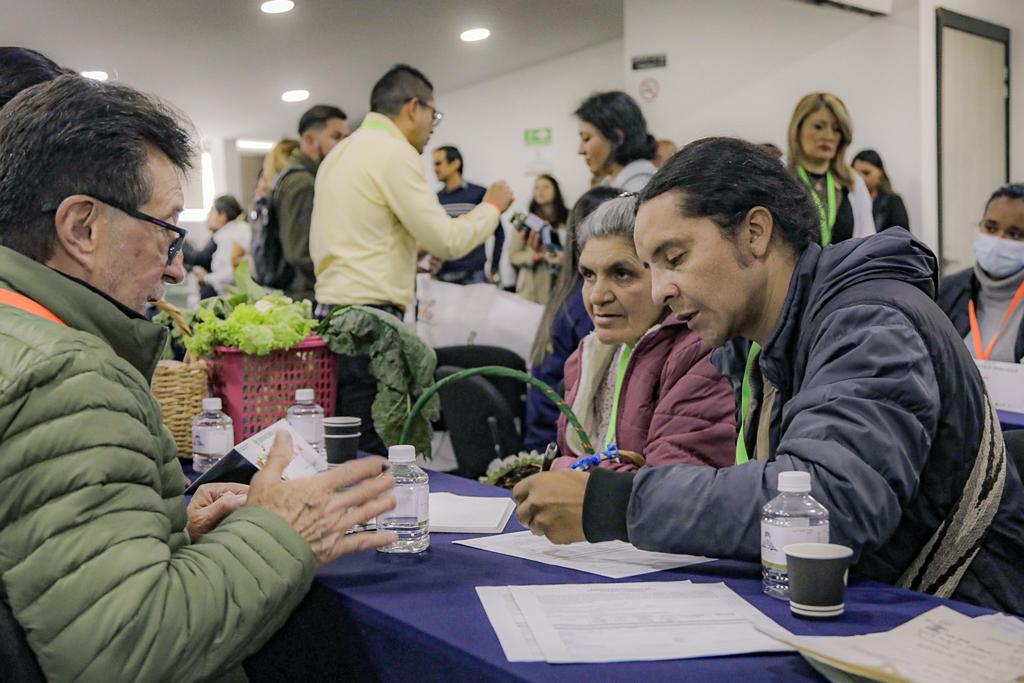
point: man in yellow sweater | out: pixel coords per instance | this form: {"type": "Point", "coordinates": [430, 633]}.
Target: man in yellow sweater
{"type": "Point", "coordinates": [372, 207]}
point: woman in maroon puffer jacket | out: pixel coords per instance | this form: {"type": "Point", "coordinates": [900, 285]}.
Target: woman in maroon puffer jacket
{"type": "Point", "coordinates": [640, 366]}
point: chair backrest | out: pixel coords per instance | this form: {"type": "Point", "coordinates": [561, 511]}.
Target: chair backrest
{"type": "Point", "coordinates": [17, 661]}
{"type": "Point", "coordinates": [513, 390]}
{"type": "Point", "coordinates": [479, 421]}
{"type": "Point", "coordinates": [1015, 449]}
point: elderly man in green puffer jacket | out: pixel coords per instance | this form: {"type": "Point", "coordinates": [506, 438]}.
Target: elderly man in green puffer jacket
{"type": "Point", "coordinates": [107, 573]}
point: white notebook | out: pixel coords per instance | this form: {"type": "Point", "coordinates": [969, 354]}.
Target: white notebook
{"type": "Point", "coordinates": [454, 514]}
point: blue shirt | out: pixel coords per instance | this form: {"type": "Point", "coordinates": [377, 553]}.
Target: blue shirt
{"type": "Point", "coordinates": [460, 201]}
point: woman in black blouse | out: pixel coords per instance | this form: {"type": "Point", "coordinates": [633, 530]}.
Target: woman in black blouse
{"type": "Point", "coordinates": [886, 206]}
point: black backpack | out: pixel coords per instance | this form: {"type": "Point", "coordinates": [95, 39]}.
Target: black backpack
{"type": "Point", "coordinates": [271, 268]}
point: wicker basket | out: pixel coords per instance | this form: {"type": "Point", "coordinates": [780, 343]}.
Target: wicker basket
{"type": "Point", "coordinates": [180, 387]}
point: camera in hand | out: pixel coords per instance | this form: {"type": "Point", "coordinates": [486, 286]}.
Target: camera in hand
{"type": "Point", "coordinates": [533, 223]}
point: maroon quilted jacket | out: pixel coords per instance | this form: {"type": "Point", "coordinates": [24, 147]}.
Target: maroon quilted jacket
{"type": "Point", "coordinates": [674, 408]}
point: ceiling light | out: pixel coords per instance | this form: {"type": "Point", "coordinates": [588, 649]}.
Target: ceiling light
{"type": "Point", "coordinates": [277, 6]}
{"type": "Point", "coordinates": [96, 75]}
{"type": "Point", "coordinates": [295, 95]}
{"type": "Point", "coordinates": [254, 145]}
{"type": "Point", "coordinates": [474, 34]}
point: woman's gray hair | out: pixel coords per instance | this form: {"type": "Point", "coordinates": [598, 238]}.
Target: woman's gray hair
{"type": "Point", "coordinates": [613, 218]}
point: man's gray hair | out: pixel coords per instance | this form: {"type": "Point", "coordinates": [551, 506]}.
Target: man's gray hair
{"type": "Point", "coordinates": [77, 136]}
{"type": "Point", "coordinates": [613, 218]}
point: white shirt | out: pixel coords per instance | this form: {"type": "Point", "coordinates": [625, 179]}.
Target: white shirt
{"type": "Point", "coordinates": [222, 273]}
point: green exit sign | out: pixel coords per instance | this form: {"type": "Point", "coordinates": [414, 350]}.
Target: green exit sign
{"type": "Point", "coordinates": [537, 137]}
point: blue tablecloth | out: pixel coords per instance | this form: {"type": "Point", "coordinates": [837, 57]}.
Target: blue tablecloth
{"type": "Point", "coordinates": [1010, 420]}
{"type": "Point", "coordinates": [418, 618]}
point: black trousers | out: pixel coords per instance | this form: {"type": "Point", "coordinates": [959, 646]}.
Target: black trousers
{"type": "Point", "coordinates": [357, 389]}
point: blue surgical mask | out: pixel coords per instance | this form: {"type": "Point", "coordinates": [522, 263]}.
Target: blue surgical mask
{"type": "Point", "coordinates": [997, 256]}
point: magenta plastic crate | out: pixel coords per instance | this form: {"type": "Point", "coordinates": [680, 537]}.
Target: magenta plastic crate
{"type": "Point", "coordinates": [257, 390]}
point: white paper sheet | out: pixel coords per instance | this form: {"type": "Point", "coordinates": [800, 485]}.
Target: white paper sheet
{"type": "Point", "coordinates": [509, 624]}
{"type": "Point", "coordinates": [1004, 622]}
{"type": "Point", "coordinates": [306, 462]}
{"type": "Point", "coordinates": [939, 646]}
{"type": "Point", "coordinates": [614, 559]}
{"type": "Point", "coordinates": [454, 514]}
{"type": "Point", "coordinates": [621, 622]}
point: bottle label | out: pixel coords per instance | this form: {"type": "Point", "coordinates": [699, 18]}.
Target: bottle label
{"type": "Point", "coordinates": [774, 538]}
{"type": "Point", "coordinates": [212, 441]}
{"type": "Point", "coordinates": [411, 502]}
{"type": "Point", "coordinates": [311, 429]}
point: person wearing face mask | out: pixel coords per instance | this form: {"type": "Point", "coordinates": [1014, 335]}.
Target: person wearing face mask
{"type": "Point", "coordinates": [614, 141]}
{"type": "Point", "coordinates": [641, 380]}
{"type": "Point", "coordinates": [985, 302]}
{"type": "Point", "coordinates": [820, 131]}
{"type": "Point", "coordinates": [862, 383]}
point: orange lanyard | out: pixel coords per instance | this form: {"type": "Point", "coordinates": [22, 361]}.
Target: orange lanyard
{"type": "Point", "coordinates": [979, 352]}
{"type": "Point", "coordinates": [9, 298]}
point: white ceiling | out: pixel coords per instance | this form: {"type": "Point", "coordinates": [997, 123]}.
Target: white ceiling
{"type": "Point", "coordinates": [225, 63]}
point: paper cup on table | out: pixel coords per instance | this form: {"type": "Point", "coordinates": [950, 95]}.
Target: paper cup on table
{"type": "Point", "coordinates": [817, 578]}
{"type": "Point", "coordinates": [341, 438]}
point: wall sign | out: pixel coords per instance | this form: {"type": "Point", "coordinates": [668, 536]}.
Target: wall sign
{"type": "Point", "coordinates": [649, 89]}
{"type": "Point", "coordinates": [649, 62]}
{"type": "Point", "coordinates": [537, 137]}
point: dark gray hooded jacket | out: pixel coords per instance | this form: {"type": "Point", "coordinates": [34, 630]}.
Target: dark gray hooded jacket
{"type": "Point", "coordinates": [878, 398]}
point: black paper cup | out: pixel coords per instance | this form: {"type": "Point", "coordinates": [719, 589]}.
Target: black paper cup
{"type": "Point", "coordinates": [817, 578]}
{"type": "Point", "coordinates": [341, 438]}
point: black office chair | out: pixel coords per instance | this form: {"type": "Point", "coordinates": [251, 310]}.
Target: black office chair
{"type": "Point", "coordinates": [17, 661]}
{"type": "Point", "coordinates": [512, 390]}
{"type": "Point", "coordinates": [479, 421]}
{"type": "Point", "coordinates": [1015, 449]}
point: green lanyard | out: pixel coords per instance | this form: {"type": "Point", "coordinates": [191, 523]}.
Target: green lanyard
{"type": "Point", "coordinates": [745, 391]}
{"type": "Point", "coordinates": [620, 375]}
{"type": "Point", "coordinates": [827, 219]}
{"type": "Point", "coordinates": [376, 124]}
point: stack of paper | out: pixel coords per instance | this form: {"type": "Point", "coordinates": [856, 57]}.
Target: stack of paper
{"type": "Point", "coordinates": [624, 622]}
{"type": "Point", "coordinates": [614, 559]}
{"type": "Point", "coordinates": [454, 514]}
{"type": "Point", "coordinates": [940, 646]}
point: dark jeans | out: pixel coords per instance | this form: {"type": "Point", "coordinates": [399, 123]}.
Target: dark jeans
{"type": "Point", "coordinates": [463, 277]}
{"type": "Point", "coordinates": [357, 388]}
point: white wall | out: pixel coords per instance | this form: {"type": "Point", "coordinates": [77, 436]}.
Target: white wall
{"type": "Point", "coordinates": [739, 67]}
{"type": "Point", "coordinates": [486, 120]}
{"type": "Point", "coordinates": [1008, 13]}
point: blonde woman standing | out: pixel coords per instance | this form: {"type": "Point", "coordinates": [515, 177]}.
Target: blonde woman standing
{"type": "Point", "coordinates": [820, 131]}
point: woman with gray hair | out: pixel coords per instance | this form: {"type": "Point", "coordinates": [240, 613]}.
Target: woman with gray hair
{"type": "Point", "coordinates": [641, 380]}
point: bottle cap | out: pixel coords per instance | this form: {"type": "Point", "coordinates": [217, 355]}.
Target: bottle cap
{"type": "Point", "coordinates": [211, 404]}
{"type": "Point", "coordinates": [402, 453]}
{"type": "Point", "coordinates": [304, 395]}
{"type": "Point", "coordinates": [794, 482]}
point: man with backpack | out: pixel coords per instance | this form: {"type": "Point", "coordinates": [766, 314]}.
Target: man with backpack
{"type": "Point", "coordinates": [281, 245]}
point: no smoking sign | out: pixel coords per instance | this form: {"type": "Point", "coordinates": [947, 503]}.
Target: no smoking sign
{"type": "Point", "coordinates": [649, 89]}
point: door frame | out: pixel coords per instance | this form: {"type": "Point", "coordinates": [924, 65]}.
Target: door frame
{"type": "Point", "coordinates": [945, 18]}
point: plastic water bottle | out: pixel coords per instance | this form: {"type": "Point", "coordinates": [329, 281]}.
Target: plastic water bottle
{"type": "Point", "coordinates": [793, 516]}
{"type": "Point", "coordinates": [213, 435]}
{"type": "Point", "coordinates": [307, 418]}
{"type": "Point", "coordinates": [411, 517]}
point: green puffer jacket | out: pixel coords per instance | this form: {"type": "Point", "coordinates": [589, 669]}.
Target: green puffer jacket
{"type": "Point", "coordinates": [94, 559]}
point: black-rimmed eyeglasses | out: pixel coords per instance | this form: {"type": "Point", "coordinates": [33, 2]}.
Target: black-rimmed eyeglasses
{"type": "Point", "coordinates": [180, 233]}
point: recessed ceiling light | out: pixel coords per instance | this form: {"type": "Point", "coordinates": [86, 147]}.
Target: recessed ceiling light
{"type": "Point", "coordinates": [96, 75]}
{"type": "Point", "coordinates": [277, 6]}
{"type": "Point", "coordinates": [295, 95]}
{"type": "Point", "coordinates": [474, 34]}
{"type": "Point", "coordinates": [254, 145]}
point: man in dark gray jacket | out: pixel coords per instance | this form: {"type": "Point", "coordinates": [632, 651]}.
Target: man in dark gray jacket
{"type": "Point", "coordinates": [862, 382]}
